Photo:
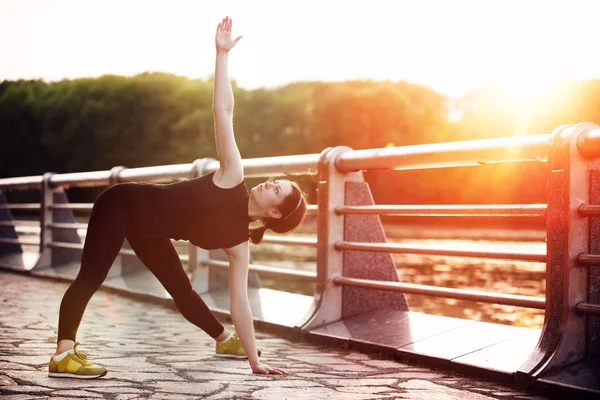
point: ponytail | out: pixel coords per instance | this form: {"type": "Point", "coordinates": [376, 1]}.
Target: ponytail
{"type": "Point", "coordinates": [256, 234]}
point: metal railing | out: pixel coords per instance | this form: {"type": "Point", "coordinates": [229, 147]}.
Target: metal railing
{"type": "Point", "coordinates": [464, 153]}
{"type": "Point", "coordinates": [336, 165]}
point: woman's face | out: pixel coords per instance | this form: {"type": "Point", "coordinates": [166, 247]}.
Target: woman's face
{"type": "Point", "coordinates": [270, 195]}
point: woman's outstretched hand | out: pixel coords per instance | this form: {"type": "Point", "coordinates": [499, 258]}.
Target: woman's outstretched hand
{"type": "Point", "coordinates": [223, 39]}
{"type": "Point", "coordinates": [266, 370]}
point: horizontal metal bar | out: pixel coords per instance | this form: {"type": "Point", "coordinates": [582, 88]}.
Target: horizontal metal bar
{"type": "Point", "coordinates": [67, 226]}
{"type": "Point", "coordinates": [311, 209]}
{"type": "Point", "coordinates": [263, 269]}
{"type": "Point", "coordinates": [73, 206]}
{"type": "Point", "coordinates": [449, 154]}
{"type": "Point", "coordinates": [156, 173]}
{"type": "Point", "coordinates": [588, 210]}
{"type": "Point", "coordinates": [66, 245]}
{"type": "Point", "coordinates": [290, 240]}
{"type": "Point", "coordinates": [492, 210]}
{"type": "Point", "coordinates": [35, 230]}
{"type": "Point", "coordinates": [444, 251]}
{"type": "Point", "coordinates": [275, 166]}
{"type": "Point", "coordinates": [22, 182]}
{"type": "Point", "coordinates": [19, 222]}
{"type": "Point", "coordinates": [588, 309]}
{"type": "Point", "coordinates": [32, 242]}
{"type": "Point", "coordinates": [20, 206]}
{"type": "Point", "coordinates": [460, 294]}
{"type": "Point", "coordinates": [588, 259]}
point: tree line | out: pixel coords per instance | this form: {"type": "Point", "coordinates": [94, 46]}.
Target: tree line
{"type": "Point", "coordinates": [156, 118]}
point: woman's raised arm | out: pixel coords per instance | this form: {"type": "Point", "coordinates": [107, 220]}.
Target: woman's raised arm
{"type": "Point", "coordinates": [231, 171]}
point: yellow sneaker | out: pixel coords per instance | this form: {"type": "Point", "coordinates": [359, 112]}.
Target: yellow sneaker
{"type": "Point", "coordinates": [232, 348]}
{"type": "Point", "coordinates": [74, 365]}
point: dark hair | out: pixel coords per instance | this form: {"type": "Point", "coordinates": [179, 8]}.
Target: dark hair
{"type": "Point", "coordinates": [292, 212]}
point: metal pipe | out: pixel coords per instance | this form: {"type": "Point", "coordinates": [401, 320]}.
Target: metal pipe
{"type": "Point", "coordinates": [81, 179]}
{"type": "Point", "coordinates": [588, 259]}
{"type": "Point", "coordinates": [66, 245]}
{"type": "Point", "coordinates": [20, 206]}
{"type": "Point", "coordinates": [22, 183]}
{"type": "Point", "coordinates": [588, 210]}
{"type": "Point", "coordinates": [290, 240]}
{"type": "Point", "coordinates": [588, 309]}
{"type": "Point", "coordinates": [35, 242]}
{"type": "Point", "coordinates": [67, 226]}
{"type": "Point", "coordinates": [276, 166]}
{"type": "Point", "coordinates": [444, 251]}
{"type": "Point", "coordinates": [35, 230]}
{"type": "Point", "coordinates": [450, 154]}
{"type": "Point", "coordinates": [73, 206]}
{"type": "Point", "coordinates": [460, 294]}
{"type": "Point", "coordinates": [529, 210]}
{"type": "Point", "coordinates": [273, 271]}
{"type": "Point", "coordinates": [156, 173]}
{"type": "Point", "coordinates": [588, 143]}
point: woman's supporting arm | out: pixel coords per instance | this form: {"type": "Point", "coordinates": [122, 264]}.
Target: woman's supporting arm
{"type": "Point", "coordinates": [240, 306]}
{"type": "Point", "coordinates": [231, 169]}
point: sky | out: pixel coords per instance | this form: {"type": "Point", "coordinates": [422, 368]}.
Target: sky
{"type": "Point", "coordinates": [450, 46]}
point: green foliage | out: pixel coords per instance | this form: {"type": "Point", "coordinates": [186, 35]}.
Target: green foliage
{"type": "Point", "coordinates": [156, 118]}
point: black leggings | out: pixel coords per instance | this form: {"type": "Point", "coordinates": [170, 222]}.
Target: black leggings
{"type": "Point", "coordinates": [138, 212]}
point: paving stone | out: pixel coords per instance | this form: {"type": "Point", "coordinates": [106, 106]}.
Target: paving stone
{"type": "Point", "coordinates": [218, 376]}
{"type": "Point", "coordinates": [122, 390]}
{"type": "Point", "coordinates": [419, 389]}
{"type": "Point", "coordinates": [364, 389]}
{"type": "Point", "coordinates": [143, 376]}
{"type": "Point", "coordinates": [351, 368]}
{"type": "Point", "coordinates": [126, 396]}
{"type": "Point", "coordinates": [224, 395]}
{"type": "Point", "coordinates": [384, 364]}
{"type": "Point", "coordinates": [170, 396]}
{"type": "Point", "coordinates": [174, 360]}
{"type": "Point", "coordinates": [6, 381]}
{"type": "Point", "coordinates": [279, 381]}
{"type": "Point", "coordinates": [76, 393]}
{"type": "Point", "coordinates": [357, 356]}
{"type": "Point", "coordinates": [306, 393]}
{"type": "Point", "coordinates": [361, 382]}
{"type": "Point", "coordinates": [27, 360]}
{"type": "Point", "coordinates": [42, 379]}
{"type": "Point", "coordinates": [411, 375]}
{"type": "Point", "coordinates": [191, 388]}
{"type": "Point", "coordinates": [26, 389]}
{"type": "Point", "coordinates": [318, 360]}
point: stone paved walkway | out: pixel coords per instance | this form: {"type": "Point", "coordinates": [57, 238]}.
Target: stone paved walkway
{"type": "Point", "coordinates": [152, 352]}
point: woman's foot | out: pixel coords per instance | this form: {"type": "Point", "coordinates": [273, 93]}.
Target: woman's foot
{"type": "Point", "coordinates": [232, 348]}
{"type": "Point", "coordinates": [74, 364]}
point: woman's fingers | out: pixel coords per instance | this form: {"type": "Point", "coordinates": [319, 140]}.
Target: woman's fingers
{"type": "Point", "coordinates": [277, 371]}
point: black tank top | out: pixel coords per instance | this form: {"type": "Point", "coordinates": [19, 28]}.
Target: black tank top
{"type": "Point", "coordinates": [217, 218]}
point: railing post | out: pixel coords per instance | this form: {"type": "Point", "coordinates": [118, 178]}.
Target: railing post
{"type": "Point", "coordinates": [45, 220]}
{"type": "Point", "coordinates": [200, 274]}
{"type": "Point", "coordinates": [51, 257]}
{"type": "Point", "coordinates": [564, 335]}
{"type": "Point", "coordinates": [327, 305]}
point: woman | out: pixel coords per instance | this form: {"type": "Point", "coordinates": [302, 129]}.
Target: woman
{"type": "Point", "coordinates": [212, 211]}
